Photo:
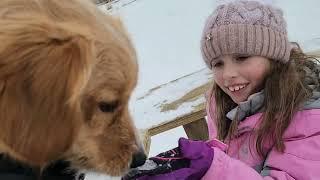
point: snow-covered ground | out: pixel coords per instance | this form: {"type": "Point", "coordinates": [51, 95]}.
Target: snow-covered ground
{"type": "Point", "coordinates": [166, 34]}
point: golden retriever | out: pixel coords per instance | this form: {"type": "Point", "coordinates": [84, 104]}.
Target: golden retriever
{"type": "Point", "coordinates": [66, 74]}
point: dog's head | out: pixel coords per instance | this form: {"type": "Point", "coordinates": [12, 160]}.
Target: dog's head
{"type": "Point", "coordinates": [66, 74]}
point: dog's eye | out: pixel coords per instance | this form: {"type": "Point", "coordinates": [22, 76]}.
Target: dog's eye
{"type": "Point", "coordinates": [108, 107]}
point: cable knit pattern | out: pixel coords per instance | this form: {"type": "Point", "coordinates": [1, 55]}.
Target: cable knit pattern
{"type": "Point", "coordinates": [249, 12]}
{"type": "Point", "coordinates": [245, 28]}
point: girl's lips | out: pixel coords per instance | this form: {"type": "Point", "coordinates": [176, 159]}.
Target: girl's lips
{"type": "Point", "coordinates": [235, 88]}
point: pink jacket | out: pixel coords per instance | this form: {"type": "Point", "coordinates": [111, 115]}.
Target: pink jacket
{"type": "Point", "coordinates": [300, 160]}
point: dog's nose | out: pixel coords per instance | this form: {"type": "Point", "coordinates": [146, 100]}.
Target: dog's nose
{"type": "Point", "coordinates": [138, 159]}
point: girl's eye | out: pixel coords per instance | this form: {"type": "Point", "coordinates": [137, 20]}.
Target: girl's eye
{"type": "Point", "coordinates": [108, 107]}
{"type": "Point", "coordinates": [242, 58]}
{"type": "Point", "coordinates": [217, 64]}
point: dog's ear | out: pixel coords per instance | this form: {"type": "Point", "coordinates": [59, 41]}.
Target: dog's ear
{"type": "Point", "coordinates": [44, 67]}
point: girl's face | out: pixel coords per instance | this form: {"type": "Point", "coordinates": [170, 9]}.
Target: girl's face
{"type": "Point", "coordinates": [240, 77]}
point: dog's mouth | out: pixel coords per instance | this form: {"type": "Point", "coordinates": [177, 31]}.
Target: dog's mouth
{"type": "Point", "coordinates": [86, 164]}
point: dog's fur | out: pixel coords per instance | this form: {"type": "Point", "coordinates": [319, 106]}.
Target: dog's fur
{"type": "Point", "coordinates": [66, 74]}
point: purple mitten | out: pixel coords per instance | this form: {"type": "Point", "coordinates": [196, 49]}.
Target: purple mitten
{"type": "Point", "coordinates": [189, 161]}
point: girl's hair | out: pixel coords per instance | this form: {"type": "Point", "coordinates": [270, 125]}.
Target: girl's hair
{"type": "Point", "coordinates": [286, 89]}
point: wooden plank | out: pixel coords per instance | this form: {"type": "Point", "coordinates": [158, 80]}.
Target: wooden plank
{"type": "Point", "coordinates": [182, 121]}
{"type": "Point", "coordinates": [177, 122]}
{"type": "Point", "coordinates": [314, 53]}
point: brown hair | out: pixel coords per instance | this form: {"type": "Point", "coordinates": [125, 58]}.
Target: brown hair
{"type": "Point", "coordinates": [286, 89]}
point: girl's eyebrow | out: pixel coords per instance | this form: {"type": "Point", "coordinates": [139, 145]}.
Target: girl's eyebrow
{"type": "Point", "coordinates": [216, 59]}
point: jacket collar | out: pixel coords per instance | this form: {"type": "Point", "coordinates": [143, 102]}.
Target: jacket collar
{"type": "Point", "coordinates": [255, 102]}
{"type": "Point", "coordinates": [247, 108]}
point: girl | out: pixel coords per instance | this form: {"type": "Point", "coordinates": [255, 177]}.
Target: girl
{"type": "Point", "coordinates": [264, 104]}
{"type": "Point", "coordinates": [265, 101]}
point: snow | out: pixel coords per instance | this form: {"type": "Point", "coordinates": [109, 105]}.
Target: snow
{"type": "Point", "coordinates": [148, 109]}
{"type": "Point", "coordinates": [166, 35]}
{"type": "Point", "coordinates": [166, 140]}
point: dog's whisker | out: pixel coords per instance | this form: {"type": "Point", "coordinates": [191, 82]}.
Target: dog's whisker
{"type": "Point", "coordinates": [83, 160]}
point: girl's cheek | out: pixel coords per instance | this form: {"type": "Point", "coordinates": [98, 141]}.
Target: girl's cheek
{"type": "Point", "coordinates": [218, 79]}
{"type": "Point", "coordinates": [217, 75]}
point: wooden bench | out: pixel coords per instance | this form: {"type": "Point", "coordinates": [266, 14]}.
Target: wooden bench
{"type": "Point", "coordinates": [180, 102]}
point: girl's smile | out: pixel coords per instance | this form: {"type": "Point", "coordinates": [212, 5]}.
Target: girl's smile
{"type": "Point", "coordinates": [240, 77]}
{"type": "Point", "coordinates": [235, 88]}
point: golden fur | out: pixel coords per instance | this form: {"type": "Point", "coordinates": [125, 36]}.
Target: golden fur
{"type": "Point", "coordinates": [66, 74]}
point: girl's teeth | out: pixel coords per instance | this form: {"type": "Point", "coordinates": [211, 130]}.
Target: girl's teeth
{"type": "Point", "coordinates": [236, 88]}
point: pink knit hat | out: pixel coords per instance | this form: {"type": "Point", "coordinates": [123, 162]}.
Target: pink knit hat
{"type": "Point", "coordinates": [245, 28]}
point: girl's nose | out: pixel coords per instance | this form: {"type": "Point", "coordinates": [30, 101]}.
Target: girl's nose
{"type": "Point", "coordinates": [230, 70]}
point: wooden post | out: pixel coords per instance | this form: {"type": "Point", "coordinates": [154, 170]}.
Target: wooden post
{"type": "Point", "coordinates": [146, 140]}
{"type": "Point", "coordinates": [197, 130]}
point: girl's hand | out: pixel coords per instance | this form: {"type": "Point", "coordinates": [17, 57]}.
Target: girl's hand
{"type": "Point", "coordinates": [190, 160]}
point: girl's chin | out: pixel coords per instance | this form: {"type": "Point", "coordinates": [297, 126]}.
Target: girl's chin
{"type": "Point", "coordinates": [238, 97]}
{"type": "Point", "coordinates": [238, 101]}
